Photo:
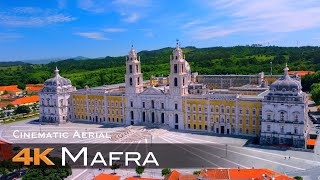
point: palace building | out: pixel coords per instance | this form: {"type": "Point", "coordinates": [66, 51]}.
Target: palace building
{"type": "Point", "coordinates": [186, 101]}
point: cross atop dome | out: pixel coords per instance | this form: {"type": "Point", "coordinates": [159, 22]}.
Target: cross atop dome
{"type": "Point", "coordinates": [286, 69]}
{"type": "Point", "coordinates": [56, 71]}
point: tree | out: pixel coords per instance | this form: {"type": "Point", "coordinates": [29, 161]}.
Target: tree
{"type": "Point", "coordinates": [9, 106]}
{"type": "Point", "coordinates": [298, 178]}
{"type": "Point", "coordinates": [315, 93]}
{"type": "Point", "coordinates": [166, 171]}
{"type": "Point", "coordinates": [114, 167]}
{"type": "Point", "coordinates": [4, 171]}
{"type": "Point", "coordinates": [139, 170]}
{"type": "Point", "coordinates": [196, 173]}
{"type": "Point", "coordinates": [21, 86]}
{"type": "Point", "coordinates": [22, 109]}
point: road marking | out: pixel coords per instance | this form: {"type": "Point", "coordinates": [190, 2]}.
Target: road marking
{"type": "Point", "coordinates": [245, 154]}
{"type": "Point", "coordinates": [80, 174]}
{"type": "Point", "coordinates": [214, 155]}
{"type": "Point", "coordinates": [190, 152]}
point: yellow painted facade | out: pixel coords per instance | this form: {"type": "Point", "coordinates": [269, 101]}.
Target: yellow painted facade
{"type": "Point", "coordinates": [99, 108]}
{"type": "Point", "coordinates": [223, 116]}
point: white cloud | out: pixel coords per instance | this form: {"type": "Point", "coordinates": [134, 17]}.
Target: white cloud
{"type": "Point", "coordinates": [131, 18]}
{"type": "Point", "coordinates": [5, 37]}
{"type": "Point", "coordinates": [251, 16]}
{"type": "Point", "coordinates": [93, 35]}
{"type": "Point", "coordinates": [208, 32]}
{"type": "Point", "coordinates": [95, 6]}
{"type": "Point", "coordinates": [33, 21]}
{"type": "Point", "coordinates": [27, 10]}
{"type": "Point", "coordinates": [114, 30]}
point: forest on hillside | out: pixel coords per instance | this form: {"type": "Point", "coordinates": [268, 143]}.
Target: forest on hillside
{"type": "Point", "coordinates": [214, 60]}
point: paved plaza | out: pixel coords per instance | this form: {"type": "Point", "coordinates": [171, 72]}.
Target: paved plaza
{"type": "Point", "coordinates": [233, 155]}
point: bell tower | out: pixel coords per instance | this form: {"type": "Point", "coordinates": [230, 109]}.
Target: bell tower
{"type": "Point", "coordinates": [180, 75]}
{"type": "Point", "coordinates": [133, 77]}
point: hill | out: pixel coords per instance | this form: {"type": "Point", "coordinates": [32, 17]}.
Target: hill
{"type": "Point", "coordinates": [214, 60]}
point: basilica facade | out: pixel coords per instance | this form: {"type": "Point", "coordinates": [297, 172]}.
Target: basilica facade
{"type": "Point", "coordinates": [179, 101]}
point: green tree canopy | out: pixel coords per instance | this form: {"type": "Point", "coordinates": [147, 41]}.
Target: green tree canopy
{"type": "Point", "coordinates": [139, 170]}
{"type": "Point", "coordinates": [22, 109]}
{"type": "Point", "coordinates": [166, 171]}
{"type": "Point", "coordinates": [315, 93]}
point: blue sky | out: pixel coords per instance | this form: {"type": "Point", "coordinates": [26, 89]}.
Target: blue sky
{"type": "Point", "coordinates": [96, 28]}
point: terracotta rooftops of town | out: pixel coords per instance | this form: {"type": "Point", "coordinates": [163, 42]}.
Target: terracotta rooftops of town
{"type": "Point", "coordinates": [301, 73]}
{"type": "Point", "coordinates": [252, 174]}
{"type": "Point", "coordinates": [139, 178]}
{"type": "Point", "coordinates": [25, 100]}
{"type": "Point", "coordinates": [103, 176]}
{"type": "Point", "coordinates": [9, 88]}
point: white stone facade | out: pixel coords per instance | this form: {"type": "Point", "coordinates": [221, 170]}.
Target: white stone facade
{"type": "Point", "coordinates": [55, 99]}
{"type": "Point", "coordinates": [284, 113]}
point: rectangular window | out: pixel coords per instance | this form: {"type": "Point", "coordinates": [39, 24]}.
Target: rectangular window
{"type": "Point", "coordinates": [175, 68]}
{"type": "Point", "coordinates": [269, 128]}
{"type": "Point", "coordinates": [130, 68]}
{"type": "Point", "coordinates": [254, 121]}
{"type": "Point", "coordinates": [206, 118]}
{"type": "Point", "coordinates": [282, 129]}
{"type": "Point", "coordinates": [175, 106]}
{"type": "Point", "coordinates": [295, 130]}
{"type": "Point", "coordinates": [200, 119]}
{"type": "Point", "coordinates": [200, 109]}
{"type": "Point", "coordinates": [240, 121]}
{"type": "Point", "coordinates": [247, 121]}
{"type": "Point", "coordinates": [253, 131]}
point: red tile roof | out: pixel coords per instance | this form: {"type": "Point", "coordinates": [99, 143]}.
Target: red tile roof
{"type": "Point", "coordinates": [215, 173]}
{"type": "Point", "coordinates": [188, 177]}
{"type": "Point", "coordinates": [106, 177]}
{"type": "Point", "coordinates": [301, 73]}
{"type": "Point", "coordinates": [25, 100]}
{"type": "Point", "coordinates": [255, 174]}
{"type": "Point", "coordinates": [174, 175]}
{"type": "Point", "coordinates": [138, 178]}
{"type": "Point", "coordinates": [9, 88]}
{"type": "Point", "coordinates": [34, 87]}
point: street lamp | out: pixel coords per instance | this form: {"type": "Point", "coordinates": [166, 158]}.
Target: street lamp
{"type": "Point", "coordinates": [271, 68]}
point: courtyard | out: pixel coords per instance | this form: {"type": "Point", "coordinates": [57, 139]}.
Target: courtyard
{"type": "Point", "coordinates": [229, 152]}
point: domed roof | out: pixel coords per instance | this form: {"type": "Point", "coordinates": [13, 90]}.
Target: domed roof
{"type": "Point", "coordinates": [286, 83]}
{"type": "Point", "coordinates": [57, 80]}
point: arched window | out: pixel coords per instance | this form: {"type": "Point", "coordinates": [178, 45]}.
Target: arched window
{"type": "Point", "coordinates": [131, 114]}
{"type": "Point", "coordinates": [183, 81]}
{"type": "Point", "coordinates": [130, 81]}
{"type": "Point", "coordinates": [281, 116]}
{"type": "Point", "coordinates": [137, 68]}
{"type": "Point", "coordinates": [152, 117]}
{"type": "Point", "coordinates": [138, 80]}
{"type": "Point", "coordinates": [176, 57]}
{"type": "Point", "coordinates": [162, 118]}
{"type": "Point", "coordinates": [176, 82]}
{"type": "Point", "coordinates": [152, 104]}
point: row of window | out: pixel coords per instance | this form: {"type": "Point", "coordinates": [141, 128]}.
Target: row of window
{"type": "Point", "coordinates": [96, 102]}
{"type": "Point", "coordinates": [295, 130]}
{"type": "Point", "coordinates": [222, 109]}
{"type": "Point", "coordinates": [205, 127]}
{"type": "Point", "coordinates": [222, 119]}
{"type": "Point", "coordinates": [98, 119]}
